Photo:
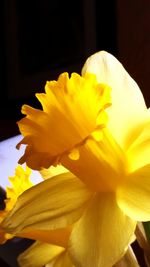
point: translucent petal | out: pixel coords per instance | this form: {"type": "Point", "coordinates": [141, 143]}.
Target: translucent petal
{"type": "Point", "coordinates": [54, 203]}
{"type": "Point", "coordinates": [133, 197]}
{"type": "Point", "coordinates": [39, 254]}
{"type": "Point", "coordinates": [62, 260]}
{"type": "Point", "coordinates": [101, 165]}
{"type": "Point", "coordinates": [138, 152]}
{"type": "Point", "coordinates": [57, 237]}
{"type": "Point", "coordinates": [128, 105]}
{"type": "Point", "coordinates": [52, 171]}
{"type": "Point", "coordinates": [101, 236]}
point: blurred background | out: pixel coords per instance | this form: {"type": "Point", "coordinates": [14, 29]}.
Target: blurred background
{"type": "Point", "coordinates": [41, 39]}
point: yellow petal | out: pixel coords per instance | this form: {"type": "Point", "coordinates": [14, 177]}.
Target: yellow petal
{"type": "Point", "coordinates": [133, 197]}
{"type": "Point", "coordinates": [138, 152]}
{"type": "Point", "coordinates": [128, 106]}
{"type": "Point", "coordinates": [101, 236]}
{"type": "Point", "coordinates": [52, 171]}
{"type": "Point", "coordinates": [54, 203]}
{"type": "Point", "coordinates": [20, 182]}
{"type": "Point", "coordinates": [57, 237]}
{"type": "Point", "coordinates": [39, 254]}
{"type": "Point", "coordinates": [71, 107]}
{"type": "Point", "coordinates": [62, 260]}
{"type": "Point", "coordinates": [101, 164]}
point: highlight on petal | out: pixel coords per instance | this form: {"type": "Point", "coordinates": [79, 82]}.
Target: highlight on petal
{"type": "Point", "coordinates": [102, 235]}
{"type": "Point", "coordinates": [62, 260]}
{"type": "Point", "coordinates": [133, 197]}
{"type": "Point", "coordinates": [52, 171]}
{"type": "Point", "coordinates": [138, 152]}
{"type": "Point", "coordinates": [128, 106]}
{"type": "Point", "coordinates": [71, 107]}
{"type": "Point", "coordinates": [39, 254]}
{"type": "Point", "coordinates": [54, 203]}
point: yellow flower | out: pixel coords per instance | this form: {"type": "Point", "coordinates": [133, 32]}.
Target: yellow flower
{"type": "Point", "coordinates": [20, 182]}
{"type": "Point", "coordinates": [40, 253]}
{"type": "Point", "coordinates": [109, 157]}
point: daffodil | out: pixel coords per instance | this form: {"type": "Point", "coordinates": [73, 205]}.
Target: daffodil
{"type": "Point", "coordinates": [54, 253]}
{"type": "Point", "coordinates": [97, 126]}
{"type": "Point", "coordinates": [19, 183]}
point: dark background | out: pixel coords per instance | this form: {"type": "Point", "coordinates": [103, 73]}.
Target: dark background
{"type": "Point", "coordinates": [41, 39]}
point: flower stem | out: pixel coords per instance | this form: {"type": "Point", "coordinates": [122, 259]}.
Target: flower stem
{"type": "Point", "coordinates": [129, 260]}
{"type": "Point", "coordinates": [144, 244]}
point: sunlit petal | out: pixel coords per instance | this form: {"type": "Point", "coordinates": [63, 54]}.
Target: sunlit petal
{"type": "Point", "coordinates": [52, 171]}
{"type": "Point", "coordinates": [62, 260]}
{"type": "Point", "coordinates": [54, 203]}
{"type": "Point", "coordinates": [101, 165]}
{"type": "Point", "coordinates": [138, 152]}
{"type": "Point", "coordinates": [39, 254]}
{"type": "Point", "coordinates": [128, 106]}
{"type": "Point", "coordinates": [101, 236]}
{"type": "Point", "coordinates": [57, 237]}
{"type": "Point", "coordinates": [133, 197]}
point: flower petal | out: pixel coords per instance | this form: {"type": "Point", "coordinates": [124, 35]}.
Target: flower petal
{"type": "Point", "coordinates": [54, 203]}
{"type": "Point", "coordinates": [62, 260]}
{"type": "Point", "coordinates": [133, 197]}
{"type": "Point", "coordinates": [128, 106]}
{"type": "Point", "coordinates": [39, 254]}
{"type": "Point", "coordinates": [101, 236]}
{"type": "Point", "coordinates": [19, 183]}
{"type": "Point", "coordinates": [58, 237]}
{"type": "Point", "coordinates": [52, 171]}
{"type": "Point", "coordinates": [139, 149]}
{"type": "Point", "coordinates": [101, 165]}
